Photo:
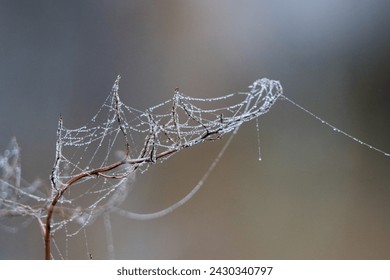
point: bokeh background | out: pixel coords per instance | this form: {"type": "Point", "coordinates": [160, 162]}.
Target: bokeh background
{"type": "Point", "coordinates": [314, 195]}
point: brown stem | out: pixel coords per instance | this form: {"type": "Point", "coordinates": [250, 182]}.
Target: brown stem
{"type": "Point", "coordinates": [48, 226]}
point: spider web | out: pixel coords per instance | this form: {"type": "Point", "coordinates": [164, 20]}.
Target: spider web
{"type": "Point", "coordinates": [95, 165]}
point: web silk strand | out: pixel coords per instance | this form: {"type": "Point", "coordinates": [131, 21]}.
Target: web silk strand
{"type": "Point", "coordinates": [335, 129]}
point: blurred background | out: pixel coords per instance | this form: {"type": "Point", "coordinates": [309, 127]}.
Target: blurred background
{"type": "Point", "coordinates": [314, 195]}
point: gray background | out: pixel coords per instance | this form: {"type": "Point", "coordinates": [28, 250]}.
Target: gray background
{"type": "Point", "coordinates": [315, 194]}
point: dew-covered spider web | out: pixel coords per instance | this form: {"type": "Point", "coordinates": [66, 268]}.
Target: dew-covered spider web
{"type": "Point", "coordinates": [95, 165]}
